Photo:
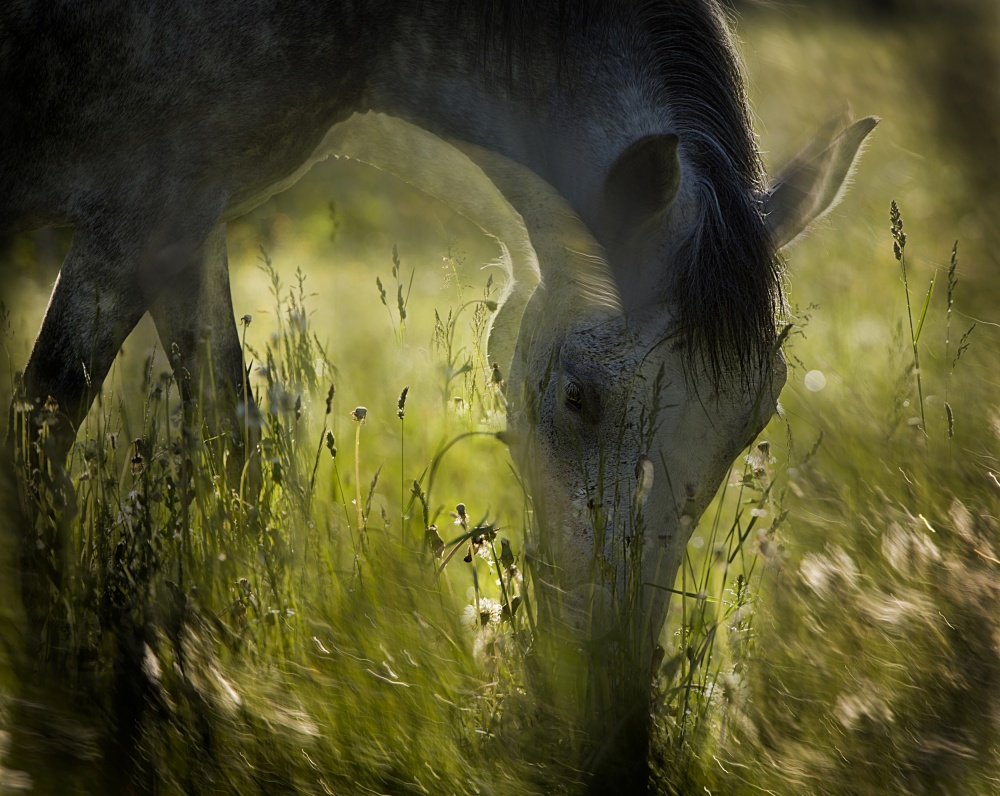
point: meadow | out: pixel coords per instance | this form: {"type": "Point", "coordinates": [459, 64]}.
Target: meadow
{"type": "Point", "coordinates": [365, 624]}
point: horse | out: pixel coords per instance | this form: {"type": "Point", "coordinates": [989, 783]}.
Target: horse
{"type": "Point", "coordinates": [606, 144]}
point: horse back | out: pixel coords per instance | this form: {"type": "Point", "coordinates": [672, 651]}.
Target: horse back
{"type": "Point", "coordinates": [110, 104]}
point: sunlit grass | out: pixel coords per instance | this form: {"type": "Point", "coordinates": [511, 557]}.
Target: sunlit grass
{"type": "Point", "coordinates": [359, 621]}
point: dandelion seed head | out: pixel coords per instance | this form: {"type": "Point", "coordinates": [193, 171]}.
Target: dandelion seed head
{"type": "Point", "coordinates": [486, 615]}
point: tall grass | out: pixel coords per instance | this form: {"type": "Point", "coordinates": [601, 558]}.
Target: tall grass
{"type": "Point", "coordinates": [875, 664]}
{"type": "Point", "coordinates": [833, 628]}
{"type": "Point", "coordinates": [301, 635]}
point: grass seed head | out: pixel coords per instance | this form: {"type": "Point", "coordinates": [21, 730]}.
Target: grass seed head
{"type": "Point", "coordinates": [896, 228]}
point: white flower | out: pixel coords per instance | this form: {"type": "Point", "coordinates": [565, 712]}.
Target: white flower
{"type": "Point", "coordinates": [486, 615]}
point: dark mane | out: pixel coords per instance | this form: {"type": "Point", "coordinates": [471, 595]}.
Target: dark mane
{"type": "Point", "coordinates": [726, 277]}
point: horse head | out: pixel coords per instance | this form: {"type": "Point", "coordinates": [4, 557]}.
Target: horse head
{"type": "Point", "coordinates": [621, 424]}
{"type": "Point", "coordinates": [624, 425]}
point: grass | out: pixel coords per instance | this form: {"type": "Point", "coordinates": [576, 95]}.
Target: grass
{"type": "Point", "coordinates": [228, 615]}
{"type": "Point", "coordinates": [310, 641]}
{"type": "Point", "coordinates": [327, 633]}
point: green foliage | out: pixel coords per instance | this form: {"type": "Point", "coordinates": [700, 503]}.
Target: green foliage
{"type": "Point", "coordinates": [247, 640]}
{"type": "Point", "coordinates": [279, 623]}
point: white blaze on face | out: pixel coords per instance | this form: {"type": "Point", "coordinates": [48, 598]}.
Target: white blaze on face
{"type": "Point", "coordinates": [625, 442]}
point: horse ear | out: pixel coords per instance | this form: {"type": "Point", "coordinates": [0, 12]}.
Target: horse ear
{"type": "Point", "coordinates": [815, 181]}
{"type": "Point", "coordinates": [641, 185]}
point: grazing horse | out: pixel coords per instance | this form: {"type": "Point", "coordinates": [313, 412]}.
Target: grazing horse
{"type": "Point", "coordinates": [605, 143]}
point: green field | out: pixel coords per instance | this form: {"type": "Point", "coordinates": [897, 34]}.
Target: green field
{"type": "Point", "coordinates": [841, 633]}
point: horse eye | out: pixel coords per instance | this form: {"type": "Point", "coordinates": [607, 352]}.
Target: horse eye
{"type": "Point", "coordinates": [573, 396]}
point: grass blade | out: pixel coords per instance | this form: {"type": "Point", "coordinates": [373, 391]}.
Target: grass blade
{"type": "Point", "coordinates": [923, 312]}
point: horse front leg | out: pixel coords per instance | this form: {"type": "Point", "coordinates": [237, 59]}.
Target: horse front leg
{"type": "Point", "coordinates": [95, 303]}
{"type": "Point", "coordinates": [194, 319]}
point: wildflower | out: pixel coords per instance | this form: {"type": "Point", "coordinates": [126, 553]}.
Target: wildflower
{"type": "Point", "coordinates": [759, 458]}
{"type": "Point", "coordinates": [487, 614]}
{"type": "Point", "coordinates": [245, 320]}
{"type": "Point", "coordinates": [481, 549]}
{"type": "Point", "coordinates": [360, 414]}
{"type": "Point", "coordinates": [480, 535]}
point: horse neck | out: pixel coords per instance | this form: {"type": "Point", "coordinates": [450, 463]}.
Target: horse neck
{"type": "Point", "coordinates": [568, 137]}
